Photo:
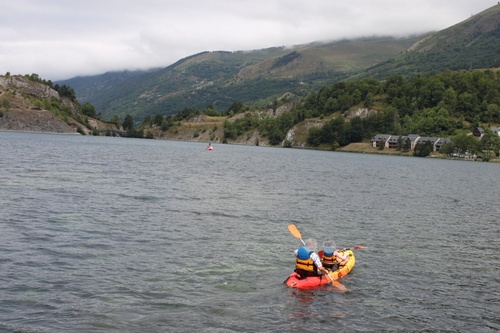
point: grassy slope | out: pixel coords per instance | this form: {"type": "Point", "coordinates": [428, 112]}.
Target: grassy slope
{"type": "Point", "coordinates": [472, 43]}
{"type": "Point", "coordinates": [221, 78]}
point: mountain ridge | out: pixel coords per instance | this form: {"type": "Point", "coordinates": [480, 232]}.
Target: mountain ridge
{"type": "Point", "coordinates": [220, 78]}
{"type": "Point", "coordinates": [259, 77]}
{"type": "Point", "coordinates": [472, 43]}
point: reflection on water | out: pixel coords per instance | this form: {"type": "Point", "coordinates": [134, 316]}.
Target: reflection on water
{"type": "Point", "coordinates": [108, 234]}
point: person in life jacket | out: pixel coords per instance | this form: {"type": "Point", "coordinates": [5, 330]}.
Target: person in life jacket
{"type": "Point", "coordinates": [330, 257]}
{"type": "Point", "coordinates": [307, 262]}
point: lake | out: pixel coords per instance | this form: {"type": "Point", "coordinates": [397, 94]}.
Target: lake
{"type": "Point", "coordinates": [103, 234]}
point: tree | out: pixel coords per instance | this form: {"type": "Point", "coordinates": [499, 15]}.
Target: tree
{"type": "Point", "coordinates": [275, 136]}
{"type": "Point", "coordinates": [187, 113]}
{"type": "Point", "coordinates": [6, 104]}
{"type": "Point", "coordinates": [211, 111]}
{"type": "Point", "coordinates": [406, 144]}
{"type": "Point", "coordinates": [158, 120]}
{"type": "Point", "coordinates": [334, 131]}
{"type": "Point", "coordinates": [273, 128]}
{"type": "Point", "coordinates": [489, 144]}
{"type": "Point", "coordinates": [230, 131]}
{"type": "Point", "coordinates": [464, 143]}
{"type": "Point", "coordinates": [65, 91]}
{"type": "Point", "coordinates": [116, 120]}
{"type": "Point", "coordinates": [147, 122]}
{"type": "Point", "coordinates": [356, 130]}
{"type": "Point", "coordinates": [423, 149]}
{"type": "Point", "coordinates": [399, 145]}
{"type": "Point", "coordinates": [235, 108]}
{"type": "Point", "coordinates": [467, 104]}
{"type": "Point", "coordinates": [314, 136]}
{"type": "Point", "coordinates": [381, 144]}
{"type": "Point", "coordinates": [493, 112]}
{"type": "Point", "coordinates": [167, 123]}
{"type": "Point", "coordinates": [128, 123]}
{"type": "Point", "coordinates": [450, 98]}
{"type": "Point", "coordinates": [446, 149]}
{"type": "Point", "coordinates": [369, 100]}
{"type": "Point", "coordinates": [89, 110]}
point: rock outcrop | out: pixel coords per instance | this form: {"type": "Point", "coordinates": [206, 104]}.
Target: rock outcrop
{"type": "Point", "coordinates": [30, 106]}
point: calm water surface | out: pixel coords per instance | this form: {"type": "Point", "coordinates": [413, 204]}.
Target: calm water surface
{"type": "Point", "coordinates": [103, 234]}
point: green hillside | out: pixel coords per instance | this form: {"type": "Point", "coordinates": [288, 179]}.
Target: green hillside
{"type": "Point", "coordinates": [221, 78]}
{"type": "Point", "coordinates": [471, 44]}
{"type": "Point", "coordinates": [258, 78]}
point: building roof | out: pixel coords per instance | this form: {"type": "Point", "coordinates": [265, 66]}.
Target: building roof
{"type": "Point", "coordinates": [379, 137]}
{"type": "Point", "coordinates": [394, 138]}
{"type": "Point", "coordinates": [432, 139]}
{"type": "Point", "coordinates": [442, 141]}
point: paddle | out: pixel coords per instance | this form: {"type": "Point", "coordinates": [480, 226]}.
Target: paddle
{"type": "Point", "coordinates": [296, 233]}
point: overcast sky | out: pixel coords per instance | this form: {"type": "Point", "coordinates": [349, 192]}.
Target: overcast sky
{"type": "Point", "coordinates": [60, 39]}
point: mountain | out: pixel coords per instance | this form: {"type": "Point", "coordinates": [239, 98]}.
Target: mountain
{"type": "Point", "coordinates": [471, 44]}
{"type": "Point", "coordinates": [257, 78]}
{"type": "Point", "coordinates": [221, 78]}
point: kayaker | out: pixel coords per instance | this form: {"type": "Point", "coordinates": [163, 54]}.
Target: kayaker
{"type": "Point", "coordinates": [330, 257]}
{"type": "Point", "coordinates": [307, 262]}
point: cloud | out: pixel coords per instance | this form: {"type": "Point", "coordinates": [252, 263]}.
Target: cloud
{"type": "Point", "coordinates": [58, 39]}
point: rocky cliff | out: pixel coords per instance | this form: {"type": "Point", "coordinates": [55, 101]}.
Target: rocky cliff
{"type": "Point", "coordinates": [30, 106]}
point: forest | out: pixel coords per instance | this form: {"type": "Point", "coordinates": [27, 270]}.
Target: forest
{"type": "Point", "coordinates": [445, 104]}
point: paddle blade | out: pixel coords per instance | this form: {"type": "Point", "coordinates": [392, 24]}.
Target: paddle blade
{"type": "Point", "coordinates": [338, 285]}
{"type": "Point", "coordinates": [357, 247]}
{"type": "Point", "coordinates": [295, 232]}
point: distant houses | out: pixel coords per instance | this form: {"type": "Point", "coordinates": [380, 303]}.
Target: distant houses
{"type": "Point", "coordinates": [410, 141]}
{"type": "Point", "coordinates": [441, 142]}
{"type": "Point", "coordinates": [478, 132]}
{"type": "Point", "coordinates": [380, 137]}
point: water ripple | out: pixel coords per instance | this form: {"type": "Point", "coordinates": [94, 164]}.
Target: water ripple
{"type": "Point", "coordinates": [108, 234]}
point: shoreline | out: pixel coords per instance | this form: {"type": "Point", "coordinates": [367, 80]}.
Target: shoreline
{"type": "Point", "coordinates": [353, 148]}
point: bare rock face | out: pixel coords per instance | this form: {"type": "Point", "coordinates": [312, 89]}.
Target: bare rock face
{"type": "Point", "coordinates": [33, 121]}
{"type": "Point", "coordinates": [21, 107]}
{"type": "Point", "coordinates": [362, 113]}
{"type": "Point", "coordinates": [28, 106]}
{"type": "Point", "coordinates": [29, 88]}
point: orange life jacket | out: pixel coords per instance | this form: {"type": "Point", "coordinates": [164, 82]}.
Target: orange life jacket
{"type": "Point", "coordinates": [328, 261]}
{"type": "Point", "coordinates": [306, 265]}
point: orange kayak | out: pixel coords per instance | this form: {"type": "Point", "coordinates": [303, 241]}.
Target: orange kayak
{"type": "Point", "coordinates": [311, 282]}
